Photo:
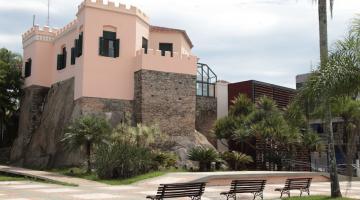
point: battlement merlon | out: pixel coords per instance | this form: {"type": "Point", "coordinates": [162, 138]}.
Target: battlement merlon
{"type": "Point", "coordinates": [175, 63]}
{"type": "Point", "coordinates": [39, 33]}
{"type": "Point", "coordinates": [111, 6]}
{"type": "Point", "coordinates": [66, 28]}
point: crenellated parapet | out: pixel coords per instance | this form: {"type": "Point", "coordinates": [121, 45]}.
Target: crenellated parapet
{"type": "Point", "coordinates": [176, 63]}
{"type": "Point", "coordinates": [69, 27]}
{"type": "Point", "coordinates": [37, 33]}
{"type": "Point", "coordinates": [111, 6]}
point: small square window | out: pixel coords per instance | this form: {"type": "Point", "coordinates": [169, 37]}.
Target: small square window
{"type": "Point", "coordinates": [163, 47]}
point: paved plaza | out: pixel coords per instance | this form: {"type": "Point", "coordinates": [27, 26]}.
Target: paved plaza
{"type": "Point", "coordinates": [27, 190]}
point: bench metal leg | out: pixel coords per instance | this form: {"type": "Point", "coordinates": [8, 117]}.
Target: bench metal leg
{"type": "Point", "coordinates": [196, 198]}
{"type": "Point", "coordinates": [258, 194]}
{"type": "Point", "coordinates": [305, 190]}
{"type": "Point", "coordinates": [285, 192]}
{"type": "Point", "coordinates": [230, 196]}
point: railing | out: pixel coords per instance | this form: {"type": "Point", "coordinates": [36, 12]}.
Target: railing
{"type": "Point", "coordinates": [342, 168]}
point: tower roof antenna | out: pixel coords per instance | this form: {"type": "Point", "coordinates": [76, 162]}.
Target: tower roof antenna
{"type": "Point", "coordinates": [48, 14]}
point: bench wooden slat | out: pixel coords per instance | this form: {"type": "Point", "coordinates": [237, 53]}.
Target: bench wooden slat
{"type": "Point", "coordinates": [302, 184]}
{"type": "Point", "coordinates": [246, 186]}
{"type": "Point", "coordinates": [179, 190]}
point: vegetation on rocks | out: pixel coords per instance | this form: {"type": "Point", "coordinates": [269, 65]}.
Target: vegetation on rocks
{"type": "Point", "coordinates": [123, 152]}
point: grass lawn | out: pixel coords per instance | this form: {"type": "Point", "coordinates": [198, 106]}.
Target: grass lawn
{"type": "Point", "coordinates": [81, 173]}
{"type": "Point", "coordinates": [6, 177]}
{"type": "Point", "coordinates": [316, 198]}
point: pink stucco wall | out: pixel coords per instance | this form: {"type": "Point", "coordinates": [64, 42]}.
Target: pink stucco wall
{"type": "Point", "coordinates": [106, 77]}
{"type": "Point", "coordinates": [179, 63]}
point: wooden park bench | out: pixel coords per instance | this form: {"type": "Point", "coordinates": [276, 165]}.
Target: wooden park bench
{"type": "Point", "coordinates": [302, 184]}
{"type": "Point", "coordinates": [192, 190]}
{"type": "Point", "coordinates": [256, 187]}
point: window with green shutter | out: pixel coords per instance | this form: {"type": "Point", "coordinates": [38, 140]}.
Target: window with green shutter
{"type": "Point", "coordinates": [109, 46]}
{"type": "Point", "coordinates": [73, 53]}
{"type": "Point", "coordinates": [145, 44]}
{"type": "Point", "coordinates": [28, 68]}
{"type": "Point", "coordinates": [61, 59]}
{"type": "Point", "coordinates": [79, 45]}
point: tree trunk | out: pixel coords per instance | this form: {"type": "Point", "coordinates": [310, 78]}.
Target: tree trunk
{"type": "Point", "coordinates": [335, 186]}
{"type": "Point", "coordinates": [88, 156]}
{"type": "Point", "coordinates": [323, 35]}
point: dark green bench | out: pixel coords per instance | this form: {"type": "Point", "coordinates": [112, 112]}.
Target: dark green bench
{"type": "Point", "coordinates": [302, 184]}
{"type": "Point", "coordinates": [192, 190]}
{"type": "Point", "coordinates": [256, 187]}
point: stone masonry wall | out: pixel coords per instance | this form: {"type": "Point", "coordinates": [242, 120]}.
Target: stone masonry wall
{"type": "Point", "coordinates": [206, 114]}
{"type": "Point", "coordinates": [167, 99]}
{"type": "Point", "coordinates": [42, 148]}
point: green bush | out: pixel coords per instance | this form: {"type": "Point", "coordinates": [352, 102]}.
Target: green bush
{"type": "Point", "coordinates": [131, 152]}
{"type": "Point", "coordinates": [122, 160]}
{"type": "Point", "coordinates": [204, 156]}
{"type": "Point", "coordinates": [236, 160]}
{"type": "Point", "coordinates": [164, 160]}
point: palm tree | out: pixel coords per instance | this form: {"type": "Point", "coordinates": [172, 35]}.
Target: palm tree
{"type": "Point", "coordinates": [324, 49]}
{"type": "Point", "coordinates": [338, 77]}
{"type": "Point", "coordinates": [205, 156]}
{"type": "Point", "coordinates": [87, 131]}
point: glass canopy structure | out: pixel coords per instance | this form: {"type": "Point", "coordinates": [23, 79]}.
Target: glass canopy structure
{"type": "Point", "coordinates": [205, 81]}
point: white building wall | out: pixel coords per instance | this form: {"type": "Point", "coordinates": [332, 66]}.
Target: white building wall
{"type": "Point", "coordinates": [222, 99]}
{"type": "Point", "coordinates": [222, 96]}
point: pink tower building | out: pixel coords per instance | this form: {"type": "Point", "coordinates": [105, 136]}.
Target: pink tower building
{"type": "Point", "coordinates": [109, 61]}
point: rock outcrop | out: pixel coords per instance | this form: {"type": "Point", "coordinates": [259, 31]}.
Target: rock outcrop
{"type": "Point", "coordinates": [167, 99]}
{"type": "Point", "coordinates": [44, 118]}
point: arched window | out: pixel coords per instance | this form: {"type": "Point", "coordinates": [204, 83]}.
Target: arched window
{"type": "Point", "coordinates": [109, 45]}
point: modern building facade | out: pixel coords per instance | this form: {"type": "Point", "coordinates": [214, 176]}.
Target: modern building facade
{"type": "Point", "coordinates": [256, 89]}
{"type": "Point", "coordinates": [111, 61]}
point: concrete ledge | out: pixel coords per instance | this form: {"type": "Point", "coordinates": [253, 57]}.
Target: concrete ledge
{"type": "Point", "coordinates": [48, 176]}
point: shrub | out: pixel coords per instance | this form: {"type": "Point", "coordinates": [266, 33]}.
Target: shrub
{"type": "Point", "coordinates": [204, 156]}
{"type": "Point", "coordinates": [130, 152]}
{"type": "Point", "coordinates": [237, 160]}
{"type": "Point", "coordinates": [122, 160]}
{"type": "Point", "coordinates": [164, 160]}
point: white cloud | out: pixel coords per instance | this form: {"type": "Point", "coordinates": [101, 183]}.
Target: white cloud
{"type": "Point", "coordinates": [9, 39]}
{"type": "Point", "coordinates": [23, 5]}
{"type": "Point", "coordinates": [267, 40]}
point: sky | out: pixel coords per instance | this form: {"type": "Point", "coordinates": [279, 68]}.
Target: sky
{"type": "Point", "coordinates": [265, 40]}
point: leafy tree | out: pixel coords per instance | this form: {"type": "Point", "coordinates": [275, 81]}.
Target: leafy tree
{"type": "Point", "coordinates": [10, 87]}
{"type": "Point", "coordinates": [205, 156]}
{"type": "Point", "coordinates": [348, 110]}
{"type": "Point", "coordinates": [87, 131]}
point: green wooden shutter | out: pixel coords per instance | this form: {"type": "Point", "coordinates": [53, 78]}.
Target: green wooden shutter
{"type": "Point", "coordinates": [73, 56]}
{"type": "Point", "coordinates": [117, 48]}
{"type": "Point", "coordinates": [101, 46]}
{"type": "Point", "coordinates": [64, 58]}
{"type": "Point", "coordinates": [80, 45]}
{"type": "Point", "coordinates": [76, 45]}
{"type": "Point", "coordinates": [59, 60]}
